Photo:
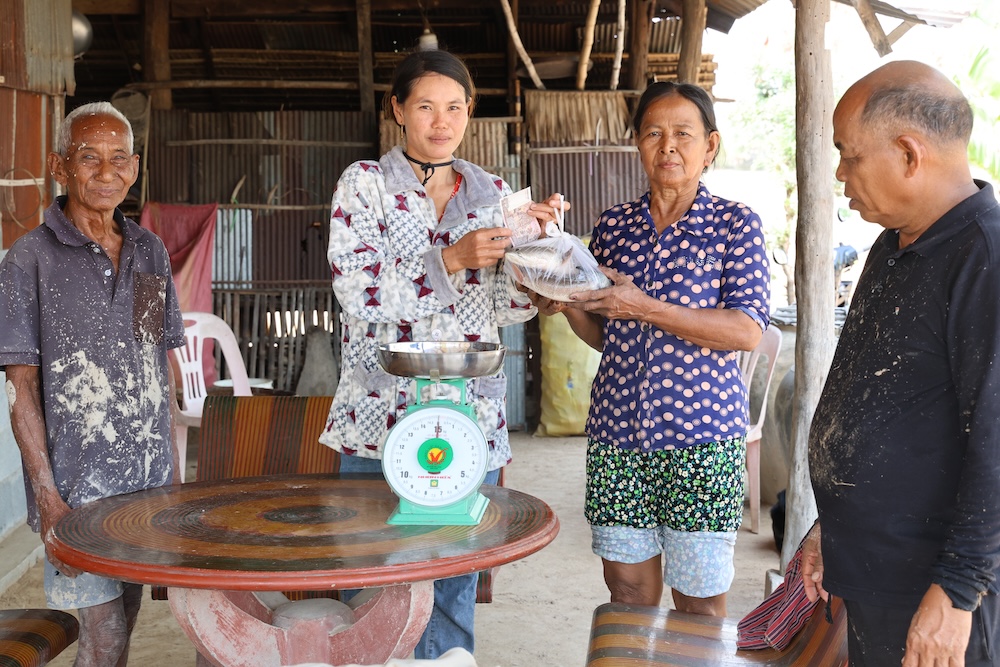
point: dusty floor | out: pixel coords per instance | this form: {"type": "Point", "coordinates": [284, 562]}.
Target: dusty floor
{"type": "Point", "coordinates": [542, 605]}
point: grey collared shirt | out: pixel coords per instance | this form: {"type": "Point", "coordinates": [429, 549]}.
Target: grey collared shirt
{"type": "Point", "coordinates": [100, 338]}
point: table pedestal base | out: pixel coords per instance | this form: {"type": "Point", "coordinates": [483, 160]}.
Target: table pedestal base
{"type": "Point", "coordinates": [233, 629]}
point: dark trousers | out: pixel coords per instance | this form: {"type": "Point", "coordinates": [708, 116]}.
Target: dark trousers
{"type": "Point", "coordinates": [876, 636]}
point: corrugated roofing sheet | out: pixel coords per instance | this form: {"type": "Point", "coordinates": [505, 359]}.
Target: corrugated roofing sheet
{"type": "Point", "coordinates": [941, 13]}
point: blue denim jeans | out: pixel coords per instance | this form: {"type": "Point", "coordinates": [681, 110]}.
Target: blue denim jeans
{"type": "Point", "coordinates": [452, 619]}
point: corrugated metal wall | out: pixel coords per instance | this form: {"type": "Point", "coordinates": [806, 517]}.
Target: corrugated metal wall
{"type": "Point", "coordinates": [280, 166]}
{"type": "Point", "coordinates": [587, 155]}
{"type": "Point", "coordinates": [36, 68]}
{"type": "Point", "coordinates": [593, 180]}
{"type": "Point", "coordinates": [36, 45]}
{"type": "Point", "coordinates": [25, 190]}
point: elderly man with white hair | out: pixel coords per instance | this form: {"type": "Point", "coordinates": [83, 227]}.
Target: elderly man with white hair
{"type": "Point", "coordinates": [88, 312]}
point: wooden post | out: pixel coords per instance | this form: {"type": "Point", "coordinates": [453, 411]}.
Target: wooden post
{"type": "Point", "coordinates": [156, 51]}
{"type": "Point", "coordinates": [640, 25]}
{"type": "Point", "coordinates": [814, 342]}
{"type": "Point", "coordinates": [616, 67]}
{"type": "Point", "coordinates": [692, 32]}
{"type": "Point", "coordinates": [588, 44]}
{"type": "Point", "coordinates": [366, 68]}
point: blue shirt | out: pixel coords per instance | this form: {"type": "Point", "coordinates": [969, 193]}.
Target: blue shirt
{"type": "Point", "coordinates": [654, 390]}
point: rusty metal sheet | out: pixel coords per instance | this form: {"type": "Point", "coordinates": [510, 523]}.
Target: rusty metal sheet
{"type": "Point", "coordinates": [25, 189]}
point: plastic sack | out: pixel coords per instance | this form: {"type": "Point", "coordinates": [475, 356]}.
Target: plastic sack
{"type": "Point", "coordinates": [568, 369]}
{"type": "Point", "coordinates": [555, 266]}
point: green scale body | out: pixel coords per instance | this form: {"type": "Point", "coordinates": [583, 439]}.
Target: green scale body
{"type": "Point", "coordinates": [435, 459]}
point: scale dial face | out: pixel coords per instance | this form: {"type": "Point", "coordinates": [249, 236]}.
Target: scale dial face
{"type": "Point", "coordinates": [435, 456]}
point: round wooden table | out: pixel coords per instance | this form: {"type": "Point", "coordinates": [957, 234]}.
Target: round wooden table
{"type": "Point", "coordinates": [215, 542]}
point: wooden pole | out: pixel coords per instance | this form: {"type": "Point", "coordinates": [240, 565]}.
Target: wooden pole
{"type": "Point", "coordinates": [616, 67]}
{"type": "Point", "coordinates": [814, 341]}
{"type": "Point", "coordinates": [516, 37]}
{"type": "Point", "coordinates": [588, 44]}
{"type": "Point", "coordinates": [366, 68]}
{"type": "Point", "coordinates": [640, 25]}
{"type": "Point", "coordinates": [156, 50]}
{"type": "Point", "coordinates": [692, 32]}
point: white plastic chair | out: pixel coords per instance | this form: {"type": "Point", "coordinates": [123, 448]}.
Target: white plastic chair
{"type": "Point", "coordinates": [769, 346]}
{"type": "Point", "coordinates": [197, 328]}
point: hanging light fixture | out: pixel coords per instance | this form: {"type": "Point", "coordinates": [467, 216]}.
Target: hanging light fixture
{"type": "Point", "coordinates": [83, 33]}
{"type": "Point", "coordinates": [428, 40]}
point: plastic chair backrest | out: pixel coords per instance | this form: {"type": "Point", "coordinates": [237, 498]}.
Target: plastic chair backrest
{"type": "Point", "coordinates": [769, 346]}
{"type": "Point", "coordinates": [197, 328]}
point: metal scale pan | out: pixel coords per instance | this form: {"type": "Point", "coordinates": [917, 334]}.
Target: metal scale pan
{"type": "Point", "coordinates": [445, 360]}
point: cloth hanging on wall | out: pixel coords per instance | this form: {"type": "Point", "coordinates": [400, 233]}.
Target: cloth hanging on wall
{"type": "Point", "coordinates": [188, 232]}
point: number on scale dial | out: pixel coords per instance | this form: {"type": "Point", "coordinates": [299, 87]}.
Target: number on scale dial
{"type": "Point", "coordinates": [435, 456]}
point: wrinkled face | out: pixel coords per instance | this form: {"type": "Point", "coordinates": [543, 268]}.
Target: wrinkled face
{"type": "Point", "coordinates": [435, 115]}
{"type": "Point", "coordinates": [673, 143]}
{"type": "Point", "coordinates": [98, 169]}
{"type": "Point", "coordinates": [869, 166]}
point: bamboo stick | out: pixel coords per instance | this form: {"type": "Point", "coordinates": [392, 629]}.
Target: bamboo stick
{"type": "Point", "coordinates": [516, 37]}
{"type": "Point", "coordinates": [588, 45]}
{"type": "Point", "coordinates": [616, 66]}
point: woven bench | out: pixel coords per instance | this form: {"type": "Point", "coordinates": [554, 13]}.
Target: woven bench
{"type": "Point", "coordinates": [624, 635]}
{"type": "Point", "coordinates": [32, 637]}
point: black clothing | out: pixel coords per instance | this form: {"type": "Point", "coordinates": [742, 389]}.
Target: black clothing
{"type": "Point", "coordinates": [904, 449]}
{"type": "Point", "coordinates": [876, 636]}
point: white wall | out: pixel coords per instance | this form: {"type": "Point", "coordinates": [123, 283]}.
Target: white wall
{"type": "Point", "coordinates": [12, 510]}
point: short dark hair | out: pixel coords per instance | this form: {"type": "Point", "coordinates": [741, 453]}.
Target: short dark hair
{"type": "Point", "coordinates": [422, 63]}
{"type": "Point", "coordinates": [688, 91]}
{"type": "Point", "coordinates": [944, 117]}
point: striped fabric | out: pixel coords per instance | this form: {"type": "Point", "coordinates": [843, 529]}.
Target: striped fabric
{"type": "Point", "coordinates": [784, 612]}
{"type": "Point", "coordinates": [625, 635]}
{"type": "Point", "coordinates": [246, 436]}
{"type": "Point", "coordinates": [32, 637]}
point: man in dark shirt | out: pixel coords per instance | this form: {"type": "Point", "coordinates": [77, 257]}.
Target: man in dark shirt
{"type": "Point", "coordinates": [904, 449]}
{"type": "Point", "coordinates": [88, 313]}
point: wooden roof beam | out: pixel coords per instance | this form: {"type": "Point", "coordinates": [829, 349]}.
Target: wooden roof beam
{"type": "Point", "coordinates": [874, 28]}
{"type": "Point", "coordinates": [900, 30]}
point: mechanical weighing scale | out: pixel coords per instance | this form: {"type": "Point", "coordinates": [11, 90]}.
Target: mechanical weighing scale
{"type": "Point", "coordinates": [436, 457]}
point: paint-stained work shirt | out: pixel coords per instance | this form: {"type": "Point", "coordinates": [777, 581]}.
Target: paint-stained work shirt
{"type": "Point", "coordinates": [904, 449]}
{"type": "Point", "coordinates": [385, 256]}
{"type": "Point", "coordinates": [101, 341]}
{"type": "Point", "coordinates": [654, 390]}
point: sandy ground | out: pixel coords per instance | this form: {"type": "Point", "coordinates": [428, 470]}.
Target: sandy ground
{"type": "Point", "coordinates": [542, 606]}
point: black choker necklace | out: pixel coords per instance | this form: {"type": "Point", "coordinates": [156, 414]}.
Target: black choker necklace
{"type": "Point", "coordinates": [427, 167]}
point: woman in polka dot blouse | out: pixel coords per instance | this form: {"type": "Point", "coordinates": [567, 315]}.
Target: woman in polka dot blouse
{"type": "Point", "coordinates": [668, 413]}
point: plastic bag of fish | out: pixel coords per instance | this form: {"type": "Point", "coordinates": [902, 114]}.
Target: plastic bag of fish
{"type": "Point", "coordinates": [555, 266]}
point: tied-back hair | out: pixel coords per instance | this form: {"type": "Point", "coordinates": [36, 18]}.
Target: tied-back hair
{"type": "Point", "coordinates": [91, 109]}
{"type": "Point", "coordinates": [946, 118]}
{"type": "Point", "coordinates": [422, 63]}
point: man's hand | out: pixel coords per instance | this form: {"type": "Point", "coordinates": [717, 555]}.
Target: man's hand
{"type": "Point", "coordinates": [52, 514]}
{"type": "Point", "coordinates": [939, 633]}
{"type": "Point", "coordinates": [812, 565]}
